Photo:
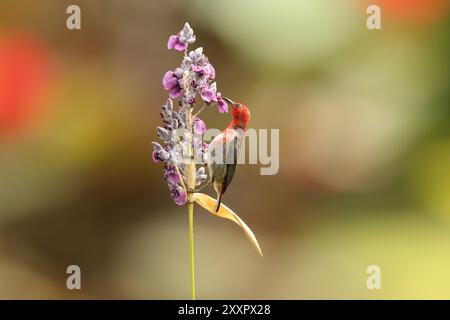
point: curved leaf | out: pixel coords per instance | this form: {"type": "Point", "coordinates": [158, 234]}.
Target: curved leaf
{"type": "Point", "coordinates": [209, 204]}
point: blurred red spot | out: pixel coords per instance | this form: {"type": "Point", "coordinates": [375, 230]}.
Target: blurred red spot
{"type": "Point", "coordinates": [416, 11]}
{"type": "Point", "coordinates": [24, 81]}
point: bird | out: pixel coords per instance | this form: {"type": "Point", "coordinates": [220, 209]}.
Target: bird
{"type": "Point", "coordinates": [223, 149]}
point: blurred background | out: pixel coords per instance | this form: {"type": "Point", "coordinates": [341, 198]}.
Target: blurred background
{"type": "Point", "coordinates": [364, 162]}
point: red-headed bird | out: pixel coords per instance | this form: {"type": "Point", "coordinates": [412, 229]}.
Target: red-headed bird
{"type": "Point", "coordinates": [223, 149]}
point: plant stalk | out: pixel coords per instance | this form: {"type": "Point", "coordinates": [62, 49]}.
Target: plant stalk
{"type": "Point", "coordinates": [191, 246]}
{"type": "Point", "coordinates": [191, 172]}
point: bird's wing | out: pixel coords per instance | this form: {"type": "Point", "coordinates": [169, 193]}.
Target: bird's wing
{"type": "Point", "coordinates": [222, 157]}
{"type": "Point", "coordinates": [231, 165]}
{"type": "Point", "coordinates": [220, 147]}
{"type": "Point", "coordinates": [215, 146]}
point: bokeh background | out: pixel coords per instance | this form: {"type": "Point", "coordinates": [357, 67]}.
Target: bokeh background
{"type": "Point", "coordinates": [364, 153]}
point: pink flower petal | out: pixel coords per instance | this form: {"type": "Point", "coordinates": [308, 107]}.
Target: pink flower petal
{"type": "Point", "coordinates": [179, 196]}
{"type": "Point", "coordinates": [222, 106]}
{"type": "Point", "coordinates": [199, 126]}
{"type": "Point", "coordinates": [169, 80]}
{"type": "Point", "coordinates": [176, 92]}
{"type": "Point", "coordinates": [155, 157]}
{"type": "Point", "coordinates": [173, 40]}
{"type": "Point", "coordinates": [180, 46]}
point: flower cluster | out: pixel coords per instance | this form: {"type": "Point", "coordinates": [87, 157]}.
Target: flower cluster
{"type": "Point", "coordinates": [183, 151]}
{"type": "Point", "coordinates": [182, 131]}
{"type": "Point", "coordinates": [195, 76]}
{"type": "Point", "coordinates": [174, 151]}
{"type": "Point", "coordinates": [181, 40]}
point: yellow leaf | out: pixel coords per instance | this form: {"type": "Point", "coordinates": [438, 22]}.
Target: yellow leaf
{"type": "Point", "coordinates": [209, 204]}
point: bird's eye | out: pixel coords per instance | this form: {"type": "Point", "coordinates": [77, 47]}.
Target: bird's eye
{"type": "Point", "coordinates": [238, 105]}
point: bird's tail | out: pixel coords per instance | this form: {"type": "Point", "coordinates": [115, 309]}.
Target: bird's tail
{"type": "Point", "coordinates": [219, 200]}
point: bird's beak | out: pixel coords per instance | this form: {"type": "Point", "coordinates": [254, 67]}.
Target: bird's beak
{"type": "Point", "coordinates": [228, 100]}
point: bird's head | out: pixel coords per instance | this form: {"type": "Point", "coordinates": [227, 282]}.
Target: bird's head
{"type": "Point", "coordinates": [240, 114]}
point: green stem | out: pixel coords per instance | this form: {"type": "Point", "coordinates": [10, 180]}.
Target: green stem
{"type": "Point", "coordinates": [191, 171]}
{"type": "Point", "coordinates": [191, 245]}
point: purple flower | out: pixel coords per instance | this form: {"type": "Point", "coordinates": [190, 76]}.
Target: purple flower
{"type": "Point", "coordinates": [155, 157]}
{"type": "Point", "coordinates": [221, 104]}
{"type": "Point", "coordinates": [207, 71]}
{"type": "Point", "coordinates": [171, 175]}
{"type": "Point", "coordinates": [199, 69]}
{"type": "Point", "coordinates": [171, 83]}
{"type": "Point", "coordinates": [196, 57]}
{"type": "Point", "coordinates": [178, 195]}
{"type": "Point", "coordinates": [192, 80]}
{"type": "Point", "coordinates": [159, 153]}
{"type": "Point", "coordinates": [187, 34]}
{"type": "Point", "coordinates": [181, 40]}
{"type": "Point", "coordinates": [200, 150]}
{"type": "Point", "coordinates": [200, 176]}
{"type": "Point", "coordinates": [174, 43]}
{"type": "Point", "coordinates": [167, 114]}
{"type": "Point", "coordinates": [208, 93]}
{"type": "Point", "coordinates": [199, 126]}
{"type": "Point", "coordinates": [211, 71]}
